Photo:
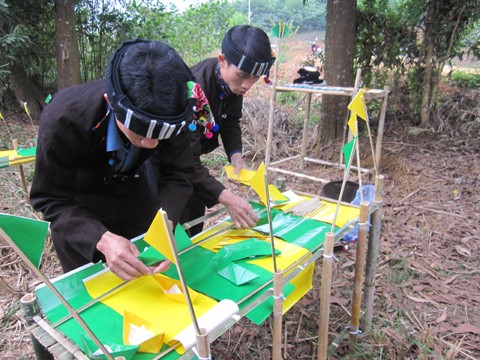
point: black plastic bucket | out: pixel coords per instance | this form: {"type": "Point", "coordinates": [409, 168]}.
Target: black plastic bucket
{"type": "Point", "coordinates": [332, 189]}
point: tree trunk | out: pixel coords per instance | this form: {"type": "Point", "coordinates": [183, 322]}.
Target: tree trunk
{"type": "Point", "coordinates": [68, 57]}
{"type": "Point", "coordinates": [339, 53]}
{"type": "Point", "coordinates": [26, 90]}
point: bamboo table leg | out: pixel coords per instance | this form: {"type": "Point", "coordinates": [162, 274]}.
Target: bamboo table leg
{"type": "Point", "coordinates": [372, 252]}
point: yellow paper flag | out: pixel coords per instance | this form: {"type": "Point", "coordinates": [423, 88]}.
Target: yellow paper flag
{"type": "Point", "coordinates": [352, 123]}
{"type": "Point", "coordinates": [257, 182]}
{"type": "Point", "coordinates": [157, 236]}
{"type": "Point", "coordinates": [357, 105]}
{"type": "Point", "coordinates": [244, 176]}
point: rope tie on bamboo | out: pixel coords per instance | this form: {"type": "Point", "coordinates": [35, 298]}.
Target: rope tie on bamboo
{"type": "Point", "coordinates": [366, 224]}
{"type": "Point", "coordinates": [281, 296]}
{"type": "Point", "coordinates": [356, 332]}
{"type": "Point", "coordinates": [195, 350]}
{"type": "Point", "coordinates": [330, 257]}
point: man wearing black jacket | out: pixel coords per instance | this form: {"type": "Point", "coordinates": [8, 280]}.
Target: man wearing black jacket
{"type": "Point", "coordinates": [246, 56]}
{"type": "Point", "coordinates": [93, 140]}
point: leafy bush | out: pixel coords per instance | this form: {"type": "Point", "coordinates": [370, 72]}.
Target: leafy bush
{"type": "Point", "coordinates": [466, 79]}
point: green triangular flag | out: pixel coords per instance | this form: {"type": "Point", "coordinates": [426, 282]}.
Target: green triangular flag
{"type": "Point", "coordinates": [347, 151]}
{"type": "Point", "coordinates": [48, 99]}
{"type": "Point", "coordinates": [28, 234]}
{"type": "Point", "coordinates": [27, 151]}
{"type": "Point", "coordinates": [280, 30]}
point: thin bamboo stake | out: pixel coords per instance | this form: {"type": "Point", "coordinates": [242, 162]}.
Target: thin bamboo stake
{"type": "Point", "coordinates": [359, 269]}
{"type": "Point", "coordinates": [325, 292]}
{"type": "Point", "coordinates": [271, 113]}
{"type": "Point", "coordinates": [373, 250]}
{"type": "Point", "coordinates": [59, 296]}
{"type": "Point", "coordinates": [277, 314]}
{"type": "Point", "coordinates": [203, 346]}
{"type": "Point", "coordinates": [381, 126]}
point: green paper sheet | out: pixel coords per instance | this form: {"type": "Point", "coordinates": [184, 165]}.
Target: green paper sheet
{"type": "Point", "coordinates": [28, 234]}
{"type": "Point", "coordinates": [307, 233]}
{"type": "Point", "coordinates": [102, 320]}
{"type": "Point", "coordinates": [245, 250]}
{"type": "Point", "coordinates": [116, 350]}
{"type": "Point", "coordinates": [201, 276]}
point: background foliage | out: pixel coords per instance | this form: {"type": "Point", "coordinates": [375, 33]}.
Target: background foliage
{"type": "Point", "coordinates": [392, 36]}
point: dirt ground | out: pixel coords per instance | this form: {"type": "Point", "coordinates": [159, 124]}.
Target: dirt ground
{"type": "Point", "coordinates": [427, 303]}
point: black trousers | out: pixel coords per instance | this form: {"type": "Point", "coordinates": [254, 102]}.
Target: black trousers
{"type": "Point", "coordinates": [194, 209]}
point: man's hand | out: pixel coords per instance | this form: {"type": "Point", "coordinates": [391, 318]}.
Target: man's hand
{"type": "Point", "coordinates": [121, 256]}
{"type": "Point", "coordinates": [236, 160]}
{"type": "Point", "coordinates": [239, 209]}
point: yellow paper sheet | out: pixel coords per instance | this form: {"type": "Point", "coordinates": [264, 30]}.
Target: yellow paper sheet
{"type": "Point", "coordinates": [14, 158]}
{"type": "Point", "coordinates": [144, 298]}
{"type": "Point", "coordinates": [290, 253]}
{"type": "Point", "coordinates": [244, 176]}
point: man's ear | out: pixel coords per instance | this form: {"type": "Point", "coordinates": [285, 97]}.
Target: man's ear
{"type": "Point", "coordinates": [222, 60]}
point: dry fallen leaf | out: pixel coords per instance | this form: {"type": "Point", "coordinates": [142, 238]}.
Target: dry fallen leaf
{"type": "Point", "coordinates": [462, 250]}
{"type": "Point", "coordinates": [464, 328]}
{"type": "Point", "coordinates": [442, 317]}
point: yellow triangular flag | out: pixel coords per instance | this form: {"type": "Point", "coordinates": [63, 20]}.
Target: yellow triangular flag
{"type": "Point", "coordinates": [352, 123]}
{"type": "Point", "coordinates": [357, 105]}
{"type": "Point", "coordinates": [257, 182]}
{"type": "Point", "coordinates": [157, 236]}
{"type": "Point", "coordinates": [26, 108]}
{"type": "Point", "coordinates": [1, 116]}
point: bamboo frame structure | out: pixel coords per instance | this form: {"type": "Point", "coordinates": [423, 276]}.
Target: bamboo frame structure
{"type": "Point", "coordinates": [42, 329]}
{"type": "Point", "coordinates": [330, 90]}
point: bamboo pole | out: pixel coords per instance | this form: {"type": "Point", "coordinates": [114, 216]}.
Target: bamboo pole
{"type": "Point", "coordinates": [359, 270]}
{"type": "Point", "coordinates": [203, 346]}
{"type": "Point", "coordinates": [277, 314]}
{"type": "Point", "coordinates": [381, 127]}
{"type": "Point", "coordinates": [325, 292]}
{"type": "Point", "coordinates": [308, 103]}
{"type": "Point", "coordinates": [59, 296]}
{"type": "Point", "coordinates": [373, 251]}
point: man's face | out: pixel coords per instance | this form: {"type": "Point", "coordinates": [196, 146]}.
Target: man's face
{"type": "Point", "coordinates": [237, 80]}
{"type": "Point", "coordinates": [137, 140]}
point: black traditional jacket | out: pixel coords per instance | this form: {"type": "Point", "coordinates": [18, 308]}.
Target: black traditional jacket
{"type": "Point", "coordinates": [75, 185]}
{"type": "Point", "coordinates": [227, 112]}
